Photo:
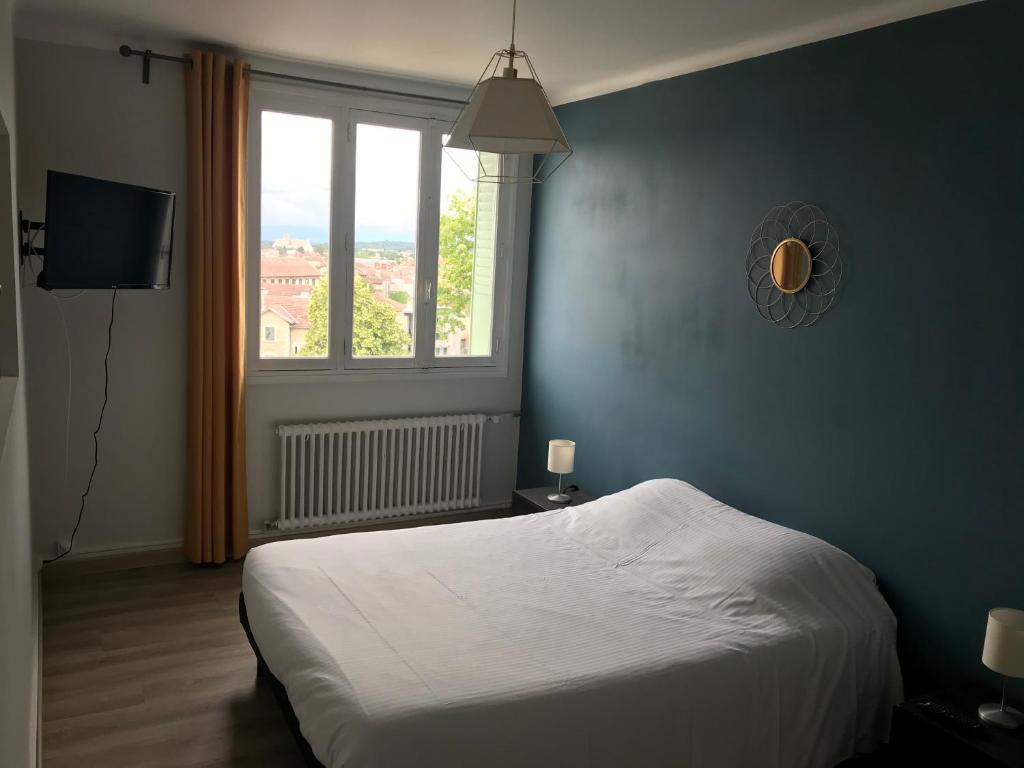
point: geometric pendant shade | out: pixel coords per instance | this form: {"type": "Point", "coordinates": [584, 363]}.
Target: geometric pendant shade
{"type": "Point", "coordinates": [510, 115]}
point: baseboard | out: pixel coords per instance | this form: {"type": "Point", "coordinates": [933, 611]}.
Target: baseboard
{"type": "Point", "coordinates": [119, 558]}
{"type": "Point", "coordinates": [129, 556]}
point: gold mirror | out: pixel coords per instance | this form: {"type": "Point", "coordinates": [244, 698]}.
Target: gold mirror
{"type": "Point", "coordinates": [791, 265]}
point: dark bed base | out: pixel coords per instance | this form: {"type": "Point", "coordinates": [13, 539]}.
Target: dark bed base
{"type": "Point", "coordinates": [263, 673]}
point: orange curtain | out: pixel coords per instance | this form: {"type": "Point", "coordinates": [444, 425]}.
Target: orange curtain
{"type": "Point", "coordinates": [217, 520]}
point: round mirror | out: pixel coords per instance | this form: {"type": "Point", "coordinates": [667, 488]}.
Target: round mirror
{"type": "Point", "coordinates": [791, 265]}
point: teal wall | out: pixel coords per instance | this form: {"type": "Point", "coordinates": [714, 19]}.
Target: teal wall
{"type": "Point", "coordinates": [893, 428]}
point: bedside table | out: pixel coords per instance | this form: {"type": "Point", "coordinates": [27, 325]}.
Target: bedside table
{"type": "Point", "coordinates": [923, 736]}
{"type": "Point", "coordinates": [526, 501]}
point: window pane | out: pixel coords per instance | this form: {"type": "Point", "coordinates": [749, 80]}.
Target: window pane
{"type": "Point", "coordinates": [387, 211]}
{"type": "Point", "coordinates": [465, 258]}
{"type": "Point", "coordinates": [295, 234]}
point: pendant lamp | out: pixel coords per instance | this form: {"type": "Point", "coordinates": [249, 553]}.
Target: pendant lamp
{"type": "Point", "coordinates": [510, 115]}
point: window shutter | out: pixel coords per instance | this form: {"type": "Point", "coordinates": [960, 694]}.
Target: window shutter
{"type": "Point", "coordinates": [484, 263]}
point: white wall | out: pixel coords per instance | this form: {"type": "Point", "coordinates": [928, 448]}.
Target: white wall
{"type": "Point", "coordinates": [19, 661]}
{"type": "Point", "coordinates": [85, 110]}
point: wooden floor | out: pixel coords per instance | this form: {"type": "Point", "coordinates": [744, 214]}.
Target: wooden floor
{"type": "Point", "coordinates": [150, 667]}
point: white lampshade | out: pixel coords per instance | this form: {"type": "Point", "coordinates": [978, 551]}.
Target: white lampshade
{"type": "Point", "coordinates": [508, 115]}
{"type": "Point", "coordinates": [1004, 642]}
{"type": "Point", "coordinates": [561, 455]}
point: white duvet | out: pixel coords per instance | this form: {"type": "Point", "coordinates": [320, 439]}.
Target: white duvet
{"type": "Point", "coordinates": [653, 627]}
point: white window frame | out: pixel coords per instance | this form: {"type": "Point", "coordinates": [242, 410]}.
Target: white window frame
{"type": "Point", "coordinates": [345, 111]}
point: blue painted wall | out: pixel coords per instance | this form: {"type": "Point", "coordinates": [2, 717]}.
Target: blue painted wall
{"type": "Point", "coordinates": [893, 428]}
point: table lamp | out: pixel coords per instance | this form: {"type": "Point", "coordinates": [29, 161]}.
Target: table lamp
{"type": "Point", "coordinates": [561, 454]}
{"type": "Point", "coordinates": [1004, 653]}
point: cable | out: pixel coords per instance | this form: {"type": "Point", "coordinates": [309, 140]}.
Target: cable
{"type": "Point", "coordinates": [57, 300]}
{"type": "Point", "coordinates": [67, 390]}
{"type": "Point", "coordinates": [513, 46]}
{"type": "Point", "coordinates": [95, 434]}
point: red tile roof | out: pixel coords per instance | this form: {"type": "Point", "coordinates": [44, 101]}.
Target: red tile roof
{"type": "Point", "coordinates": [290, 266]}
{"type": "Point", "coordinates": [293, 310]}
{"type": "Point", "coordinates": [286, 289]}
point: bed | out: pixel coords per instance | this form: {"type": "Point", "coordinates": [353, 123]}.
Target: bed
{"type": "Point", "coordinates": [652, 627]}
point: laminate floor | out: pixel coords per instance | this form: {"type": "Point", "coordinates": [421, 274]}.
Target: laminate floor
{"type": "Point", "coordinates": [150, 667]}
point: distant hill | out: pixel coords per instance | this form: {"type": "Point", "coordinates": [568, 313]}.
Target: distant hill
{"type": "Point", "coordinates": [316, 235]}
{"type": "Point", "coordinates": [321, 236]}
{"type": "Point", "coordinates": [385, 245]}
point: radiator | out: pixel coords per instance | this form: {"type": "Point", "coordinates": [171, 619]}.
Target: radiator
{"type": "Point", "coordinates": [346, 472]}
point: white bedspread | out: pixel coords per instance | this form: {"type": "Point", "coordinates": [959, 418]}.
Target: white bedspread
{"type": "Point", "coordinates": [653, 627]}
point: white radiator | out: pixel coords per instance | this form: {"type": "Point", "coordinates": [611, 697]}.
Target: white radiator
{"type": "Point", "coordinates": [345, 472]}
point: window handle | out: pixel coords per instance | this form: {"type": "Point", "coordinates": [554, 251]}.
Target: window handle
{"type": "Point", "coordinates": [428, 291]}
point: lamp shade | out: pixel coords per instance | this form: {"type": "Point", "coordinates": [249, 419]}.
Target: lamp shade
{"type": "Point", "coordinates": [508, 115]}
{"type": "Point", "coordinates": [1004, 642]}
{"type": "Point", "coordinates": [561, 455]}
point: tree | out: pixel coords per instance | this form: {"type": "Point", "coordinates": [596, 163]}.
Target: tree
{"type": "Point", "coordinates": [456, 248]}
{"type": "Point", "coordinates": [376, 331]}
{"type": "Point", "coordinates": [315, 343]}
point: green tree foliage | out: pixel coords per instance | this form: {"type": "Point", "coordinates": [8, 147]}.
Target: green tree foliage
{"type": "Point", "coordinates": [456, 248]}
{"type": "Point", "coordinates": [376, 328]}
{"type": "Point", "coordinates": [315, 343]}
{"type": "Point", "coordinates": [376, 331]}
{"type": "Point", "coordinates": [400, 296]}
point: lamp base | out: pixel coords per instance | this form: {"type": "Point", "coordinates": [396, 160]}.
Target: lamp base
{"type": "Point", "coordinates": [559, 498]}
{"type": "Point", "coordinates": [1004, 717]}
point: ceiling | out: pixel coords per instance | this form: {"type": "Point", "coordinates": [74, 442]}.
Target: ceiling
{"type": "Point", "coordinates": [581, 48]}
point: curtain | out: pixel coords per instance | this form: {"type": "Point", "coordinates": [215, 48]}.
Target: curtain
{"type": "Point", "coordinates": [217, 521]}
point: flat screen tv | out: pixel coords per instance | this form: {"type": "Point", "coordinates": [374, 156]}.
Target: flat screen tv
{"type": "Point", "coordinates": [103, 234]}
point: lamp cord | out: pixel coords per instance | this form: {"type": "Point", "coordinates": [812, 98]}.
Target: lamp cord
{"type": "Point", "coordinates": [513, 46]}
{"type": "Point", "coordinates": [95, 434]}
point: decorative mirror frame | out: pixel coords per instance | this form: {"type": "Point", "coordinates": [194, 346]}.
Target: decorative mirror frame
{"type": "Point", "coordinates": [805, 303]}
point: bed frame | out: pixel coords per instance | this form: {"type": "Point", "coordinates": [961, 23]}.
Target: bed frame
{"type": "Point", "coordinates": [264, 674]}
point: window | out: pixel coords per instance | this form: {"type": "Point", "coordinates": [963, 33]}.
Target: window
{"type": "Point", "coordinates": [386, 224]}
{"type": "Point", "coordinates": [376, 252]}
{"type": "Point", "coordinates": [466, 254]}
{"type": "Point", "coordinates": [294, 234]}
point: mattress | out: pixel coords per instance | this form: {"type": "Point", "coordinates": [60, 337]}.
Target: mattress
{"type": "Point", "coordinates": [652, 627]}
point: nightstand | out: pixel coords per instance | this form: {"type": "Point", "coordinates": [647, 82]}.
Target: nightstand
{"type": "Point", "coordinates": [922, 735]}
{"type": "Point", "coordinates": [525, 501]}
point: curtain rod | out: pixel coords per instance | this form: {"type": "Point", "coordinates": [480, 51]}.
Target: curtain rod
{"type": "Point", "coordinates": [148, 55]}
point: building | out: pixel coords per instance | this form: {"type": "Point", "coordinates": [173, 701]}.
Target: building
{"type": "Point", "coordinates": [292, 245]}
{"type": "Point", "coordinates": [284, 322]}
{"type": "Point", "coordinates": [286, 286]}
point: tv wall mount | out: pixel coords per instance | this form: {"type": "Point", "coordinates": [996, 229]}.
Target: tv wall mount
{"type": "Point", "coordinates": [28, 231]}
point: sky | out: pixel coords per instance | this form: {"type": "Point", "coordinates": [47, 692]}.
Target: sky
{"type": "Point", "coordinates": [296, 179]}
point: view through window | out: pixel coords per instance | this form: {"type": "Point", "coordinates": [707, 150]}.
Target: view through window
{"type": "Point", "coordinates": [465, 255]}
{"type": "Point", "coordinates": [295, 240]}
{"type": "Point", "coordinates": [391, 285]}
{"type": "Point", "coordinates": [387, 210]}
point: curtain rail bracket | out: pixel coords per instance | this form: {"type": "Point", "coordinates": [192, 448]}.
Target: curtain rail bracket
{"type": "Point", "coordinates": [149, 56]}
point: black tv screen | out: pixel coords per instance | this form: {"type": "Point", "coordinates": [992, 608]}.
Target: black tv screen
{"type": "Point", "coordinates": [103, 234]}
